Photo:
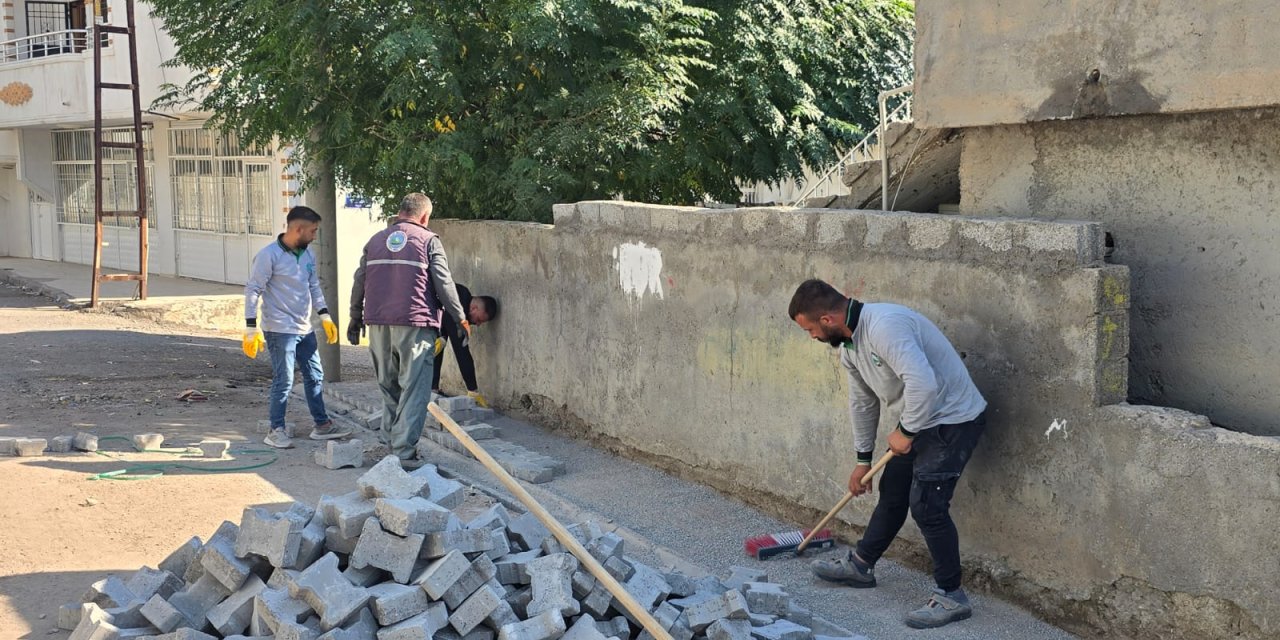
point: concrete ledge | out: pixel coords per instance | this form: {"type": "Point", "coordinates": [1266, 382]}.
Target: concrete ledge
{"type": "Point", "coordinates": [1025, 243]}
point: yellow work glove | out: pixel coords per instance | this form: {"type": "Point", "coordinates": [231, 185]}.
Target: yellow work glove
{"type": "Point", "coordinates": [479, 399]}
{"type": "Point", "coordinates": [439, 345]}
{"type": "Point", "coordinates": [253, 342]}
{"type": "Point", "coordinates": [330, 329]}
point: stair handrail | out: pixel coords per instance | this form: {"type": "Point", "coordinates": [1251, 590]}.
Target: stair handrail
{"type": "Point", "coordinates": [902, 111]}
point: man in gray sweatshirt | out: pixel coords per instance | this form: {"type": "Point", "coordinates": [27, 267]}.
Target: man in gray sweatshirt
{"type": "Point", "coordinates": [895, 355]}
{"type": "Point", "coordinates": [401, 289]}
{"type": "Point", "coordinates": [284, 280]}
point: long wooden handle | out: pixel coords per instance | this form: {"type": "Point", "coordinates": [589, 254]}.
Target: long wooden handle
{"type": "Point", "coordinates": [571, 543]}
{"type": "Point", "coordinates": [844, 501]}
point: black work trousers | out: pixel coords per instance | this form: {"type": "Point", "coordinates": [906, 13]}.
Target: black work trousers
{"type": "Point", "coordinates": [922, 483]}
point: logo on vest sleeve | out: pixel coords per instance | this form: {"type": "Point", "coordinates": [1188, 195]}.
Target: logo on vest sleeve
{"type": "Point", "coordinates": [396, 241]}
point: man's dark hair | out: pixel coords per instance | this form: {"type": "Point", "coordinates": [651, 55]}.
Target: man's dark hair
{"type": "Point", "coordinates": [490, 305]}
{"type": "Point", "coordinates": [303, 213]}
{"type": "Point", "coordinates": [814, 298]}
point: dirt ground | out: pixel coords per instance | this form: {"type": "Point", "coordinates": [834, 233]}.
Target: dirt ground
{"type": "Point", "coordinates": [68, 371]}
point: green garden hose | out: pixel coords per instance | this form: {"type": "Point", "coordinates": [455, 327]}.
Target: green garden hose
{"type": "Point", "coordinates": [149, 470]}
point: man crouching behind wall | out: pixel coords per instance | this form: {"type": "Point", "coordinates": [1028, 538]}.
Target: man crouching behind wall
{"type": "Point", "coordinates": [892, 353]}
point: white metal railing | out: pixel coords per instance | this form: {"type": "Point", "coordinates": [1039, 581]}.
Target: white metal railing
{"type": "Point", "coordinates": [44, 44]}
{"type": "Point", "coordinates": [870, 148]}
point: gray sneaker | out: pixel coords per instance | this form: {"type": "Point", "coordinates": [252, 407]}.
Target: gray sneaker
{"type": "Point", "coordinates": [278, 439]}
{"type": "Point", "coordinates": [942, 609]}
{"type": "Point", "coordinates": [845, 571]}
{"type": "Point", "coordinates": [328, 431]}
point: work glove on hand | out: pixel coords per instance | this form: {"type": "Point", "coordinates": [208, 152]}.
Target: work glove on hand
{"type": "Point", "coordinates": [479, 399]}
{"type": "Point", "coordinates": [253, 342]}
{"type": "Point", "coordinates": [355, 329]}
{"type": "Point", "coordinates": [330, 329]}
{"type": "Point", "coordinates": [439, 345]}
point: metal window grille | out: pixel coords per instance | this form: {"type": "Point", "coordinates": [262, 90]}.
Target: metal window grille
{"type": "Point", "coordinates": [220, 184]}
{"type": "Point", "coordinates": [73, 169]}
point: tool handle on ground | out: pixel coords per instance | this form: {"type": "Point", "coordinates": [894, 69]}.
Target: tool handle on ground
{"type": "Point", "coordinates": [844, 501]}
{"type": "Point", "coordinates": [571, 543]}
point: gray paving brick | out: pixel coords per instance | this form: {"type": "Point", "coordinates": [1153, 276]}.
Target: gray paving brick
{"type": "Point", "coordinates": [584, 629]}
{"type": "Point", "coordinates": [365, 576]}
{"type": "Point", "coordinates": [547, 625]}
{"type": "Point", "coordinates": [323, 587]}
{"type": "Point", "coordinates": [440, 490]}
{"type": "Point", "coordinates": [336, 455]}
{"type": "Point", "coordinates": [681, 585]}
{"type": "Point", "coordinates": [30, 447]}
{"type": "Point", "coordinates": [69, 616]}
{"type": "Point", "coordinates": [85, 442]}
{"type": "Point", "coordinates": [336, 542]}
{"type": "Point", "coordinates": [767, 598]}
{"type": "Point", "coordinates": [362, 627]}
{"type": "Point", "coordinates": [648, 586]}
{"type": "Point", "coordinates": [60, 444]}
{"type": "Point", "coordinates": [388, 480]}
{"type": "Point", "coordinates": [219, 559]}
{"type": "Point", "coordinates": [441, 574]}
{"type": "Point", "coordinates": [347, 512]}
{"type": "Point", "coordinates": [413, 515]}
{"type": "Point", "coordinates": [475, 609]}
{"type": "Point", "coordinates": [480, 571]}
{"type": "Point", "coordinates": [420, 627]}
{"type": "Point", "coordinates": [731, 605]}
{"type": "Point", "coordinates": [782, 630]}
{"type": "Point", "coordinates": [511, 567]}
{"type": "Point", "coordinates": [277, 612]}
{"type": "Point", "coordinates": [501, 544]}
{"type": "Point", "coordinates": [495, 517]}
{"type": "Point", "coordinates": [109, 592]}
{"type": "Point", "coordinates": [729, 630]}
{"type": "Point", "coordinates": [552, 580]}
{"type": "Point", "coordinates": [199, 597]}
{"type": "Point", "coordinates": [439, 543]}
{"type": "Point", "coordinates": [181, 557]}
{"type": "Point", "coordinates": [158, 612]}
{"type": "Point", "coordinates": [528, 531]}
{"type": "Point", "coordinates": [739, 576]}
{"type": "Point", "coordinates": [393, 602]}
{"type": "Point", "coordinates": [272, 536]}
{"type": "Point", "coordinates": [387, 551]}
{"type": "Point", "coordinates": [147, 582]}
{"type": "Point", "coordinates": [214, 448]}
{"type": "Point", "coordinates": [231, 616]}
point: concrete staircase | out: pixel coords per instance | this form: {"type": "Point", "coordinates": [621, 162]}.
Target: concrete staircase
{"type": "Point", "coordinates": [924, 171]}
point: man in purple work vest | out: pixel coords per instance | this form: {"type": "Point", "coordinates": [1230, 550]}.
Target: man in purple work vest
{"type": "Point", "coordinates": [401, 289]}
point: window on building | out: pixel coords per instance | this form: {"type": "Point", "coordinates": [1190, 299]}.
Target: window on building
{"type": "Point", "coordinates": [73, 169]}
{"type": "Point", "coordinates": [219, 184]}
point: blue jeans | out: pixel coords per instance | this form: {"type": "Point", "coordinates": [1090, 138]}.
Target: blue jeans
{"type": "Point", "coordinates": [285, 350]}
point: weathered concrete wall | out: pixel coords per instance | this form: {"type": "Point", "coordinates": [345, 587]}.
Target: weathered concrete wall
{"type": "Point", "coordinates": [1193, 202]}
{"type": "Point", "coordinates": [979, 62]}
{"type": "Point", "coordinates": [664, 331]}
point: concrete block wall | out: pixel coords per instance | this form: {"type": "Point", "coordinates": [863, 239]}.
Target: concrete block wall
{"type": "Point", "coordinates": [664, 330]}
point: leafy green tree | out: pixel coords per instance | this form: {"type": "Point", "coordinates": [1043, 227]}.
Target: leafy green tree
{"type": "Point", "coordinates": [500, 108]}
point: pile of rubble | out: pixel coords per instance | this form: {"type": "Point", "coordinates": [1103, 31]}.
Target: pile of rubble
{"type": "Point", "coordinates": [393, 561]}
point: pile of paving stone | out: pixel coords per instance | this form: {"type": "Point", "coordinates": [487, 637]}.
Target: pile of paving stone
{"type": "Point", "coordinates": [393, 561]}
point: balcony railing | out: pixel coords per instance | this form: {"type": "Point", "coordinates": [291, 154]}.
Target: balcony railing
{"type": "Point", "coordinates": [44, 44]}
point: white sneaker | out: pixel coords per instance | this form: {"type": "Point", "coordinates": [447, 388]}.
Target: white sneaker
{"type": "Point", "coordinates": [278, 439]}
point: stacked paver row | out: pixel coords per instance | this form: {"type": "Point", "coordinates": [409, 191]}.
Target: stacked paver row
{"type": "Point", "coordinates": [392, 561]}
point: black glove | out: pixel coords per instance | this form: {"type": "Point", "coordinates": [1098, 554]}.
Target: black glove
{"type": "Point", "coordinates": [355, 329]}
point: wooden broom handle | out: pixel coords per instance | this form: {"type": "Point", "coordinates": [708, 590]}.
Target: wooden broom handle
{"type": "Point", "coordinates": [844, 501]}
{"type": "Point", "coordinates": [571, 543]}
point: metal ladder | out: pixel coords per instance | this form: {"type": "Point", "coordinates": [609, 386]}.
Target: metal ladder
{"type": "Point", "coordinates": [100, 32]}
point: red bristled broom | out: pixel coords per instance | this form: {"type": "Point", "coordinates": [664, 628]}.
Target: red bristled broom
{"type": "Point", "coordinates": [768, 546]}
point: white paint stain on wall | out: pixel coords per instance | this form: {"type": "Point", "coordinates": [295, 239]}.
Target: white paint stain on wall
{"type": "Point", "coordinates": [639, 269]}
{"type": "Point", "coordinates": [1058, 426]}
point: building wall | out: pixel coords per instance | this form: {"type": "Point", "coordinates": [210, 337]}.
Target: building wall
{"type": "Point", "coordinates": [664, 332]}
{"type": "Point", "coordinates": [1192, 202]}
{"type": "Point", "coordinates": [980, 63]}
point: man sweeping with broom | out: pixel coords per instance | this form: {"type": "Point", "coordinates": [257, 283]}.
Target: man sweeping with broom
{"type": "Point", "coordinates": [893, 354]}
